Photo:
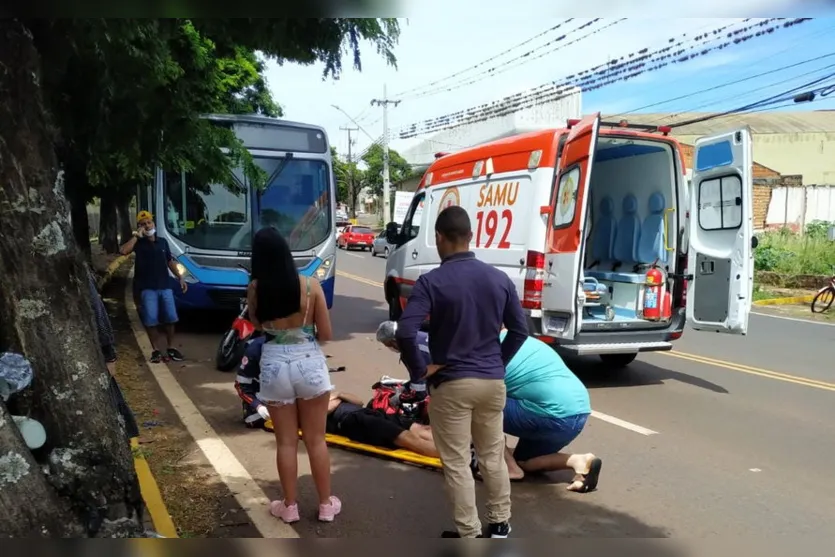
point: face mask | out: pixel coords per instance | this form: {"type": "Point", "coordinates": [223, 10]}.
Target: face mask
{"type": "Point", "coordinates": [150, 232]}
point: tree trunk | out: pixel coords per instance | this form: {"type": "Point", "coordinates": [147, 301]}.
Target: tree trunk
{"type": "Point", "coordinates": [76, 192]}
{"type": "Point", "coordinates": [83, 483]}
{"type": "Point", "coordinates": [108, 220]}
{"type": "Point", "coordinates": [123, 210]}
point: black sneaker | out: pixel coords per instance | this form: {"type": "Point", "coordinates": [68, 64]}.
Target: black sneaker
{"type": "Point", "coordinates": [500, 530]}
{"type": "Point", "coordinates": [175, 355]}
{"type": "Point", "coordinates": [450, 534]}
{"type": "Point", "coordinates": [156, 357]}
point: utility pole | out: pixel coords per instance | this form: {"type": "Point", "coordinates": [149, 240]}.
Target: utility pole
{"type": "Point", "coordinates": [385, 102]}
{"type": "Point", "coordinates": [351, 171]}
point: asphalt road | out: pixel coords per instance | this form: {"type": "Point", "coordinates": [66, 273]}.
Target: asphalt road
{"type": "Point", "coordinates": [724, 436]}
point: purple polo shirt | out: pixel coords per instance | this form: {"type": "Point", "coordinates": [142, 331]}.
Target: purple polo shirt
{"type": "Point", "coordinates": [467, 302]}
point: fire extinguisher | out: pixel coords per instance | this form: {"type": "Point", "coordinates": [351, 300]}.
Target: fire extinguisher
{"type": "Point", "coordinates": [655, 293]}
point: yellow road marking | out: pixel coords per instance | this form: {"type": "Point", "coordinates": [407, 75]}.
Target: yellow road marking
{"type": "Point", "coordinates": [360, 279]}
{"type": "Point", "coordinates": [151, 494]}
{"type": "Point", "coordinates": [797, 380]}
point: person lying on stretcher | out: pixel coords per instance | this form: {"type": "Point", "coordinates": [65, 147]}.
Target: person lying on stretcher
{"type": "Point", "coordinates": [547, 408]}
{"type": "Point", "coordinates": [347, 416]}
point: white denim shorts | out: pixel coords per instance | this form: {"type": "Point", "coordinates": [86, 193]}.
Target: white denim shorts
{"type": "Point", "coordinates": [293, 371]}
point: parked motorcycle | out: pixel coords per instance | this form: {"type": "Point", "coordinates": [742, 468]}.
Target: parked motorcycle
{"type": "Point", "coordinates": [232, 345]}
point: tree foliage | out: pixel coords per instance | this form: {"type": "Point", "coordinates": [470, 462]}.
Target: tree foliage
{"type": "Point", "coordinates": [399, 169]}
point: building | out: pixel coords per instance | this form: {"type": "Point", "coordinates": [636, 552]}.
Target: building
{"type": "Point", "coordinates": [788, 142]}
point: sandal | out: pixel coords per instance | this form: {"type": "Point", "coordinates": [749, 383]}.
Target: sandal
{"type": "Point", "coordinates": [589, 480]}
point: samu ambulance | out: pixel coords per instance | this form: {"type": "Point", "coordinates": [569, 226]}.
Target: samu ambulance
{"type": "Point", "coordinates": [610, 248]}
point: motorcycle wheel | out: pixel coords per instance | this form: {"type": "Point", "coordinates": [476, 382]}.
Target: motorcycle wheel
{"type": "Point", "coordinates": [230, 351]}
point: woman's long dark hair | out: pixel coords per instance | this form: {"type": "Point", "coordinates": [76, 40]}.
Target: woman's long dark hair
{"type": "Point", "coordinates": [278, 292]}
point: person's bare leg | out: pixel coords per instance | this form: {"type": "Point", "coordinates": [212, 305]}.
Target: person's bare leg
{"type": "Point", "coordinates": [111, 367]}
{"type": "Point", "coordinates": [155, 337]}
{"type": "Point", "coordinates": [313, 415]}
{"type": "Point", "coordinates": [169, 335]}
{"type": "Point", "coordinates": [514, 470]}
{"type": "Point", "coordinates": [579, 463]}
{"type": "Point", "coordinates": [414, 442]}
{"type": "Point", "coordinates": [286, 427]}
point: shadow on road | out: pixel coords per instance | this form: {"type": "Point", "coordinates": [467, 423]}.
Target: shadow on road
{"type": "Point", "coordinates": [596, 375]}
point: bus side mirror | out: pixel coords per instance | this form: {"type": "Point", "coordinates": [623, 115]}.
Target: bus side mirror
{"type": "Point", "coordinates": [392, 233]}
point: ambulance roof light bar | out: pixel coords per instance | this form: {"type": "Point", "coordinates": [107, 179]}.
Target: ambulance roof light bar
{"type": "Point", "coordinates": [666, 130]}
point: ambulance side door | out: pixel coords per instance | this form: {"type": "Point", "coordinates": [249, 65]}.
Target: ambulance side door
{"type": "Point", "coordinates": [561, 316]}
{"type": "Point", "coordinates": [721, 244]}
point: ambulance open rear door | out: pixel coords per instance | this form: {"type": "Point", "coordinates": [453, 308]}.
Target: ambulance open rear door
{"type": "Point", "coordinates": [561, 317]}
{"type": "Point", "coordinates": [720, 256]}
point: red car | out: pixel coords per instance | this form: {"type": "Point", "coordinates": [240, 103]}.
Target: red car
{"type": "Point", "coordinates": [356, 237]}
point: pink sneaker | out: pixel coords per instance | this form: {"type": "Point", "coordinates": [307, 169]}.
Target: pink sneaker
{"type": "Point", "coordinates": [329, 511]}
{"type": "Point", "coordinates": [287, 514]}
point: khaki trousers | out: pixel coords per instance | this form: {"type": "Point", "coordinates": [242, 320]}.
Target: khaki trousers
{"type": "Point", "coordinates": [468, 409]}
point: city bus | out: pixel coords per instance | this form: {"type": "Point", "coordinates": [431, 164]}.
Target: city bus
{"type": "Point", "coordinates": [210, 226]}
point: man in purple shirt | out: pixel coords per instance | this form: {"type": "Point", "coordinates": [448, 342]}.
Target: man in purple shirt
{"type": "Point", "coordinates": [467, 302]}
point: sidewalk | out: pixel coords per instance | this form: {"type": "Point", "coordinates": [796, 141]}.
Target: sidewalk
{"type": "Point", "coordinates": [184, 496]}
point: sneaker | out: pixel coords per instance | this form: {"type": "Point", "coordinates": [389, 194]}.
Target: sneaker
{"type": "Point", "coordinates": [175, 355]}
{"type": "Point", "coordinates": [499, 530]}
{"type": "Point", "coordinates": [156, 357]}
{"type": "Point", "coordinates": [329, 511]}
{"type": "Point", "coordinates": [287, 514]}
{"type": "Point", "coordinates": [450, 534]}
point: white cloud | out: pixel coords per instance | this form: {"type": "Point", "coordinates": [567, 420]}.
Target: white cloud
{"type": "Point", "coordinates": [433, 47]}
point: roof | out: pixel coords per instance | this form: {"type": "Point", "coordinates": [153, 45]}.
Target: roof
{"type": "Point", "coordinates": [777, 122]}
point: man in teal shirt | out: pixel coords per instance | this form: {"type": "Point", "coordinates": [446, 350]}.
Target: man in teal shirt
{"type": "Point", "coordinates": [547, 408]}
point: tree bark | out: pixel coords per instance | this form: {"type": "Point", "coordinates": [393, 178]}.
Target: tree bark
{"type": "Point", "coordinates": [123, 210]}
{"type": "Point", "coordinates": [83, 482]}
{"type": "Point", "coordinates": [108, 220]}
{"type": "Point", "coordinates": [75, 179]}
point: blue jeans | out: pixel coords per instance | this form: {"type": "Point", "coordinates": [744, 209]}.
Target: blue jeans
{"type": "Point", "coordinates": [157, 307]}
{"type": "Point", "coordinates": [538, 435]}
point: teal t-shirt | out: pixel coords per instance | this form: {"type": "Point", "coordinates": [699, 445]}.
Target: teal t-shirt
{"type": "Point", "coordinates": [539, 379]}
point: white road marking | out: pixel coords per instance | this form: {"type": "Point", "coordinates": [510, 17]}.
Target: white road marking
{"type": "Point", "coordinates": [247, 492]}
{"type": "Point", "coordinates": [809, 321]}
{"type": "Point", "coordinates": [622, 423]}
{"type": "Point", "coordinates": [352, 254]}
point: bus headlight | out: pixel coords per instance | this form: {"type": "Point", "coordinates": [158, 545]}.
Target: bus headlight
{"type": "Point", "coordinates": [185, 274]}
{"type": "Point", "coordinates": [325, 268]}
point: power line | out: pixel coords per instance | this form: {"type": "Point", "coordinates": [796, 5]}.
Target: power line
{"type": "Point", "coordinates": [789, 95]}
{"type": "Point", "coordinates": [522, 60]}
{"type": "Point", "coordinates": [483, 62]}
{"type": "Point", "coordinates": [634, 64]}
{"type": "Point", "coordinates": [744, 79]}
{"type": "Point", "coordinates": [634, 60]}
{"type": "Point", "coordinates": [734, 82]}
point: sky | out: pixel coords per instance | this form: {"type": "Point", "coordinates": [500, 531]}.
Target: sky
{"type": "Point", "coordinates": [433, 48]}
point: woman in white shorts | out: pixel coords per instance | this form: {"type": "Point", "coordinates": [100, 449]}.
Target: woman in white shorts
{"type": "Point", "coordinates": [295, 385]}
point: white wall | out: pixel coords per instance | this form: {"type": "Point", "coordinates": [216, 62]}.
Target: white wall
{"type": "Point", "coordinates": [798, 206]}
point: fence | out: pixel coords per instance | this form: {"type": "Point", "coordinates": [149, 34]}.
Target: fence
{"type": "Point", "coordinates": [796, 206]}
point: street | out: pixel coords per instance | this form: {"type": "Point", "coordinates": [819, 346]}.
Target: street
{"type": "Point", "coordinates": [725, 436]}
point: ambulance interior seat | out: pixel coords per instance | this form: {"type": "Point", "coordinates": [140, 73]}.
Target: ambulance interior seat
{"type": "Point", "coordinates": [624, 254]}
{"type": "Point", "coordinates": [651, 246]}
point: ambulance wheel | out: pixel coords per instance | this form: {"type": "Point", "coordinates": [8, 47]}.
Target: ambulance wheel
{"type": "Point", "coordinates": [618, 360]}
{"type": "Point", "coordinates": [394, 309]}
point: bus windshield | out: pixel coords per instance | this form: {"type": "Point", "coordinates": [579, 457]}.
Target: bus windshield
{"type": "Point", "coordinates": [296, 200]}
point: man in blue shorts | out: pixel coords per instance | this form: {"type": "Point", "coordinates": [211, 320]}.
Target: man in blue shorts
{"type": "Point", "coordinates": [546, 408]}
{"type": "Point", "coordinates": [151, 280]}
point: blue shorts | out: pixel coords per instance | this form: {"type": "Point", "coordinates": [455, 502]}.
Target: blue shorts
{"type": "Point", "coordinates": [157, 307]}
{"type": "Point", "coordinates": [538, 435]}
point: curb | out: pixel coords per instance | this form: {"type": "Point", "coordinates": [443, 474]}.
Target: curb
{"type": "Point", "coordinates": [785, 301]}
{"type": "Point", "coordinates": [114, 266]}
{"type": "Point", "coordinates": [151, 494]}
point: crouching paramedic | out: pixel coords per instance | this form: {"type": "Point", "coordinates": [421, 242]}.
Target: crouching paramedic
{"type": "Point", "coordinates": [347, 415]}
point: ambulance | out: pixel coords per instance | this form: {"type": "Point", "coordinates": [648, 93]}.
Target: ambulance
{"type": "Point", "coordinates": [611, 248]}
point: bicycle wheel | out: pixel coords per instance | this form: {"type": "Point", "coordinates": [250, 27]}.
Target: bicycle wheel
{"type": "Point", "coordinates": [823, 299]}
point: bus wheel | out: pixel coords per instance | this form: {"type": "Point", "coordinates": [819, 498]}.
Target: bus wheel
{"type": "Point", "coordinates": [618, 360]}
